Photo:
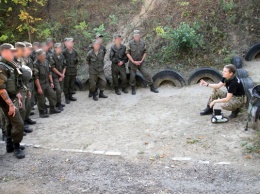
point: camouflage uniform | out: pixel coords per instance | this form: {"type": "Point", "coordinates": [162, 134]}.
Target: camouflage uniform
{"type": "Point", "coordinates": [30, 86]}
{"type": "Point", "coordinates": [96, 70]}
{"type": "Point", "coordinates": [71, 58]}
{"type": "Point", "coordinates": [58, 62]}
{"type": "Point", "coordinates": [117, 55]}
{"type": "Point", "coordinates": [137, 51]}
{"type": "Point", "coordinates": [42, 72]}
{"type": "Point", "coordinates": [14, 124]}
{"type": "Point", "coordinates": [235, 102]}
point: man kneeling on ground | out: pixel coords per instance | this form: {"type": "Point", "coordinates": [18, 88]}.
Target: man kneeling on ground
{"type": "Point", "coordinates": [233, 99]}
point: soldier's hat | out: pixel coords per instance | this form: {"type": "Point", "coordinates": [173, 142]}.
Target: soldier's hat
{"type": "Point", "coordinates": [136, 32]}
{"type": "Point", "coordinates": [43, 44]}
{"type": "Point", "coordinates": [56, 45]}
{"type": "Point", "coordinates": [68, 39]}
{"type": "Point", "coordinates": [27, 44]}
{"type": "Point", "coordinates": [7, 46]}
{"type": "Point", "coordinates": [49, 40]}
{"type": "Point", "coordinates": [40, 52]}
{"type": "Point", "coordinates": [117, 35]}
{"type": "Point", "coordinates": [19, 45]}
{"type": "Point", "coordinates": [99, 35]}
{"type": "Point", "coordinates": [36, 44]}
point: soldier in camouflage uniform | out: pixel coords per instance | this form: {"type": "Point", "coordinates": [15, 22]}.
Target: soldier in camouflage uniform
{"type": "Point", "coordinates": [10, 100]}
{"type": "Point", "coordinates": [71, 57]}
{"type": "Point", "coordinates": [136, 53]}
{"type": "Point", "coordinates": [119, 59]}
{"type": "Point", "coordinates": [36, 46]}
{"type": "Point", "coordinates": [232, 99]}
{"type": "Point", "coordinates": [95, 60]}
{"type": "Point", "coordinates": [58, 72]}
{"type": "Point", "coordinates": [44, 84]}
{"type": "Point", "coordinates": [18, 59]}
{"type": "Point", "coordinates": [29, 84]}
{"type": "Point", "coordinates": [50, 44]}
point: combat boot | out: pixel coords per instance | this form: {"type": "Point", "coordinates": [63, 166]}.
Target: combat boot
{"type": "Point", "coordinates": [124, 89]}
{"type": "Point", "coordinates": [117, 91]}
{"type": "Point", "coordinates": [90, 94]}
{"type": "Point", "coordinates": [207, 111]}
{"type": "Point", "coordinates": [9, 145]}
{"type": "Point", "coordinates": [63, 105]}
{"type": "Point", "coordinates": [71, 98]}
{"type": "Point", "coordinates": [234, 114]}
{"type": "Point", "coordinates": [30, 122]}
{"type": "Point", "coordinates": [102, 95]}
{"type": "Point", "coordinates": [133, 90]}
{"type": "Point", "coordinates": [67, 100]}
{"type": "Point", "coordinates": [27, 129]}
{"type": "Point", "coordinates": [54, 110]}
{"type": "Point", "coordinates": [18, 152]}
{"type": "Point", "coordinates": [43, 114]}
{"type": "Point", "coordinates": [153, 89]}
{"type": "Point", "coordinates": [95, 98]}
{"type": "Point", "coordinates": [59, 106]}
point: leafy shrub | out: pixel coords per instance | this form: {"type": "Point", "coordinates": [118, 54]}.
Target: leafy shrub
{"type": "Point", "coordinates": [182, 39]}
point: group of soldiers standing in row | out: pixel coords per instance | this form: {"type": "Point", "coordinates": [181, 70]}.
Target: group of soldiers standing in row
{"type": "Point", "coordinates": [30, 73]}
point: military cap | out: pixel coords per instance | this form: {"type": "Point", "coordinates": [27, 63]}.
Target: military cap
{"type": "Point", "coordinates": [117, 35]}
{"type": "Point", "coordinates": [36, 44]}
{"type": "Point", "coordinates": [27, 44]}
{"type": "Point", "coordinates": [49, 40]}
{"type": "Point", "coordinates": [68, 39]}
{"type": "Point", "coordinates": [99, 35]}
{"type": "Point", "coordinates": [136, 32]}
{"type": "Point", "coordinates": [56, 45]}
{"type": "Point", "coordinates": [40, 52]}
{"type": "Point", "coordinates": [19, 45]}
{"type": "Point", "coordinates": [95, 42]}
{"type": "Point", "coordinates": [43, 44]}
{"type": "Point", "coordinates": [7, 46]}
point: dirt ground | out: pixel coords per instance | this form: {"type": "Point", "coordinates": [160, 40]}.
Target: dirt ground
{"type": "Point", "coordinates": [148, 143]}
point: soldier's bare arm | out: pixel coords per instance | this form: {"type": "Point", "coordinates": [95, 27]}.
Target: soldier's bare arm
{"type": "Point", "coordinates": [214, 86]}
{"type": "Point", "coordinates": [4, 95]}
{"type": "Point", "coordinates": [222, 100]}
{"type": "Point", "coordinates": [51, 80]}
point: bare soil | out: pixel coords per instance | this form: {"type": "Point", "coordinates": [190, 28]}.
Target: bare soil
{"type": "Point", "coordinates": [148, 130]}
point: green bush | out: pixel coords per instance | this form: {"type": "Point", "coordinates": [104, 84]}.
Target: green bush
{"type": "Point", "coordinates": [185, 38]}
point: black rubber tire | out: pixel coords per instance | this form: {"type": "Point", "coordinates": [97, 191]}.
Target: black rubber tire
{"type": "Point", "coordinates": [204, 73]}
{"type": "Point", "coordinates": [237, 61]}
{"type": "Point", "coordinates": [247, 84]}
{"type": "Point", "coordinates": [252, 52]}
{"type": "Point", "coordinates": [78, 85]}
{"type": "Point", "coordinates": [242, 73]}
{"type": "Point", "coordinates": [168, 75]}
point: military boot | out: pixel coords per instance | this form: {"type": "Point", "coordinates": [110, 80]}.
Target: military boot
{"type": "Point", "coordinates": [43, 114]}
{"type": "Point", "coordinates": [234, 114]}
{"type": "Point", "coordinates": [95, 98]}
{"type": "Point", "coordinates": [30, 122]}
{"type": "Point", "coordinates": [27, 129]}
{"type": "Point", "coordinates": [71, 98]}
{"type": "Point", "coordinates": [63, 105]}
{"type": "Point", "coordinates": [67, 100]}
{"type": "Point", "coordinates": [9, 145]}
{"type": "Point", "coordinates": [133, 90]}
{"type": "Point", "coordinates": [124, 89]}
{"type": "Point", "coordinates": [117, 91]}
{"type": "Point", "coordinates": [153, 89]}
{"type": "Point", "coordinates": [90, 94]}
{"type": "Point", "coordinates": [207, 111]}
{"type": "Point", "coordinates": [59, 106]}
{"type": "Point", "coordinates": [102, 95]}
{"type": "Point", "coordinates": [54, 110]}
{"type": "Point", "coordinates": [18, 152]}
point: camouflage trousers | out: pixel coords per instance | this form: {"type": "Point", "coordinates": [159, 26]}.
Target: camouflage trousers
{"type": "Point", "coordinates": [234, 103]}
